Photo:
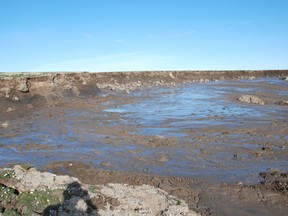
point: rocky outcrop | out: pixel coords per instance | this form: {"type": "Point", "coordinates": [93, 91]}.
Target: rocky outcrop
{"type": "Point", "coordinates": [31, 180]}
{"type": "Point", "coordinates": [26, 191]}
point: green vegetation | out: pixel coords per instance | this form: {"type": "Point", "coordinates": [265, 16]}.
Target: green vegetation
{"type": "Point", "coordinates": [7, 194]}
{"type": "Point", "coordinates": [6, 174]}
{"type": "Point", "coordinates": [178, 202]}
{"type": "Point", "coordinates": [9, 212]}
{"type": "Point", "coordinates": [93, 189]}
{"type": "Point", "coordinates": [37, 201]}
{"type": "Point", "coordinates": [27, 203]}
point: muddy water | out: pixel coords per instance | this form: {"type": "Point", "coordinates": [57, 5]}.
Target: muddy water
{"type": "Point", "coordinates": [198, 129]}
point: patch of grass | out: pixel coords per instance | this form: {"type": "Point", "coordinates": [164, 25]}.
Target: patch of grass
{"type": "Point", "coordinates": [37, 201]}
{"type": "Point", "coordinates": [9, 212]}
{"type": "Point", "coordinates": [178, 202]}
{"type": "Point", "coordinates": [6, 174]}
{"type": "Point", "coordinates": [7, 194]}
{"type": "Point", "coordinates": [93, 189]}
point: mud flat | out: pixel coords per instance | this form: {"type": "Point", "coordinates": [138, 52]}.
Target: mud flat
{"type": "Point", "coordinates": [216, 140]}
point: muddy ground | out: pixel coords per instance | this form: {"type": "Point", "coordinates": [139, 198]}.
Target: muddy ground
{"type": "Point", "coordinates": [188, 133]}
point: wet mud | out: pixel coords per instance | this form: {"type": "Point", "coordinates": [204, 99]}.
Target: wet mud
{"type": "Point", "coordinates": [196, 141]}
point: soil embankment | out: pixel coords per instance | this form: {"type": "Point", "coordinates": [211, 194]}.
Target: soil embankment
{"type": "Point", "coordinates": [28, 90]}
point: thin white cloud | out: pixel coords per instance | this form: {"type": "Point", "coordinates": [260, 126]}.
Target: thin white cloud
{"type": "Point", "coordinates": [118, 62]}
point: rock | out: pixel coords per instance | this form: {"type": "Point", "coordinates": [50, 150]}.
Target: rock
{"type": "Point", "coordinates": [106, 163]}
{"type": "Point", "coordinates": [236, 156]}
{"type": "Point", "coordinates": [6, 91]}
{"type": "Point", "coordinates": [159, 137]}
{"type": "Point", "coordinates": [138, 83]}
{"type": "Point", "coordinates": [69, 196]}
{"type": "Point", "coordinates": [143, 200]}
{"type": "Point", "coordinates": [203, 151]}
{"type": "Point", "coordinates": [22, 86]}
{"type": "Point", "coordinates": [60, 80]}
{"type": "Point", "coordinates": [163, 158]}
{"type": "Point", "coordinates": [239, 183]}
{"type": "Point", "coordinates": [29, 106]}
{"type": "Point", "coordinates": [252, 99]}
{"type": "Point", "coordinates": [10, 109]}
{"type": "Point", "coordinates": [5, 124]}
{"type": "Point", "coordinates": [34, 180]}
{"type": "Point", "coordinates": [171, 75]}
{"type": "Point", "coordinates": [285, 78]}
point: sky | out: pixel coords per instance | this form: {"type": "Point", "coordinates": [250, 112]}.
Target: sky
{"type": "Point", "coordinates": [137, 35]}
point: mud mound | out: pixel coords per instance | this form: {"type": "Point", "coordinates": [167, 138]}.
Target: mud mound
{"type": "Point", "coordinates": [275, 181]}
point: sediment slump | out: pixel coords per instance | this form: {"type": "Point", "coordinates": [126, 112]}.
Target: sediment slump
{"type": "Point", "coordinates": [28, 90]}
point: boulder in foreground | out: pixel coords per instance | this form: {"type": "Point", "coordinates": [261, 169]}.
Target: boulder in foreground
{"type": "Point", "coordinates": [26, 191]}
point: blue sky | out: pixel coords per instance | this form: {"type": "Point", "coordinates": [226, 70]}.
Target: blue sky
{"type": "Point", "coordinates": [121, 35]}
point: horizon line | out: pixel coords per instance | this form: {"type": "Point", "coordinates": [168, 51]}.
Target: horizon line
{"type": "Point", "coordinates": [132, 71]}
